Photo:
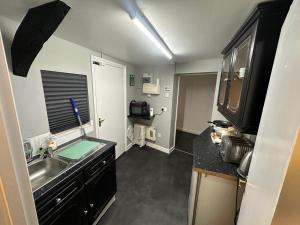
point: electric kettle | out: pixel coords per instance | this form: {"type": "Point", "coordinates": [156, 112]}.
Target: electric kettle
{"type": "Point", "coordinates": [243, 169]}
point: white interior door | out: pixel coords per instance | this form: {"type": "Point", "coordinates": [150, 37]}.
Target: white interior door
{"type": "Point", "coordinates": [109, 85]}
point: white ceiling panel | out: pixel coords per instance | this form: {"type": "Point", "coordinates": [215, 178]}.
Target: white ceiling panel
{"type": "Point", "coordinates": [193, 29]}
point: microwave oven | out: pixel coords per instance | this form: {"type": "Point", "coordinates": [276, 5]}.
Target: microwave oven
{"type": "Point", "coordinates": [139, 108]}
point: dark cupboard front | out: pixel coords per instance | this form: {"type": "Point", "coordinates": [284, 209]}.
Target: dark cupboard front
{"type": "Point", "coordinates": [247, 66]}
{"type": "Point", "coordinates": [79, 199]}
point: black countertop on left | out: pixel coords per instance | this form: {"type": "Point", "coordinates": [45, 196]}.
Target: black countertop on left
{"type": "Point", "coordinates": [207, 155]}
{"type": "Point", "coordinates": [73, 167]}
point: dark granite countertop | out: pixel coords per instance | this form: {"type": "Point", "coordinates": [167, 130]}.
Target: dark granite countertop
{"type": "Point", "coordinates": [73, 167]}
{"type": "Point", "coordinates": [207, 155]}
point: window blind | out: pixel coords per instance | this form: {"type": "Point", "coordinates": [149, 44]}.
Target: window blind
{"type": "Point", "coordinates": [58, 89]}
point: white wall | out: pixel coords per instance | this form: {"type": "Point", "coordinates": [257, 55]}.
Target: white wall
{"type": "Point", "coordinates": [56, 55]}
{"type": "Point", "coordinates": [199, 66]}
{"type": "Point", "coordinates": [278, 127]}
{"type": "Point", "coordinates": [195, 102]}
{"type": "Point", "coordinates": [213, 65]}
{"type": "Point", "coordinates": [162, 122]}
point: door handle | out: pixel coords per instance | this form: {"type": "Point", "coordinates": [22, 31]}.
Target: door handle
{"type": "Point", "coordinates": [100, 121]}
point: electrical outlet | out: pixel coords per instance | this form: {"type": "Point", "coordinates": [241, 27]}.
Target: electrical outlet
{"type": "Point", "coordinates": [164, 109]}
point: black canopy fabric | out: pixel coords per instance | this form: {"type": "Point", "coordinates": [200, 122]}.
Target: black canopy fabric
{"type": "Point", "coordinates": [37, 26]}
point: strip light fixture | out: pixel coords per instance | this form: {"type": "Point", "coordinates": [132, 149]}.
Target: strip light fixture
{"type": "Point", "coordinates": [144, 25]}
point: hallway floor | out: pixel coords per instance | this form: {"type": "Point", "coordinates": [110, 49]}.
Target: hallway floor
{"type": "Point", "coordinates": [184, 141]}
{"type": "Point", "coordinates": [153, 188]}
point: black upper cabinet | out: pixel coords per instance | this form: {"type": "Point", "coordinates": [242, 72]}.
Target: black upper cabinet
{"type": "Point", "coordinates": [247, 65]}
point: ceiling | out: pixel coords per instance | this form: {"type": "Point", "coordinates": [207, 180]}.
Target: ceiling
{"type": "Point", "coordinates": [193, 29]}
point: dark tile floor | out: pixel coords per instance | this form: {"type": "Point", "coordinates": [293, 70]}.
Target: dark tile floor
{"type": "Point", "coordinates": [184, 141]}
{"type": "Point", "coordinates": [153, 188]}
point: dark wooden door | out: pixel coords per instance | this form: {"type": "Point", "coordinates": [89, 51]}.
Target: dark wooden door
{"type": "Point", "coordinates": [72, 212]}
{"type": "Point", "coordinates": [100, 189]}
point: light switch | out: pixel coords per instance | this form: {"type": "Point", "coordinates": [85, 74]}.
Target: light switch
{"type": "Point", "coordinates": [167, 95]}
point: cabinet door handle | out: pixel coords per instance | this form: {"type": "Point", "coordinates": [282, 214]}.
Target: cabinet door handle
{"type": "Point", "coordinates": [85, 212]}
{"type": "Point", "coordinates": [92, 205]}
{"type": "Point", "coordinates": [242, 182]}
{"type": "Point", "coordinates": [58, 200]}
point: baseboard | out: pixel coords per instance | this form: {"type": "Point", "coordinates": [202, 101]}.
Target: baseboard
{"type": "Point", "coordinates": [112, 200]}
{"type": "Point", "coordinates": [158, 147]}
{"type": "Point", "coordinates": [172, 149]}
{"type": "Point", "coordinates": [129, 146]}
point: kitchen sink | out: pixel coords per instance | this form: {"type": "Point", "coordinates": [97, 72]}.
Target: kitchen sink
{"type": "Point", "coordinates": [43, 170]}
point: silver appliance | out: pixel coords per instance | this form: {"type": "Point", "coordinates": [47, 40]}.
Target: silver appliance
{"type": "Point", "coordinates": [233, 148]}
{"type": "Point", "coordinates": [243, 169]}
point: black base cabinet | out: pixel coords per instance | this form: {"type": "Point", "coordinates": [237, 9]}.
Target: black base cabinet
{"type": "Point", "coordinates": [80, 199]}
{"type": "Point", "coordinates": [99, 191]}
{"type": "Point", "coordinates": [247, 65]}
{"type": "Point", "coordinates": [73, 212]}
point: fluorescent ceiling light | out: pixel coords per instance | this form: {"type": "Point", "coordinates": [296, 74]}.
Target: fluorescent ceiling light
{"type": "Point", "coordinates": [159, 43]}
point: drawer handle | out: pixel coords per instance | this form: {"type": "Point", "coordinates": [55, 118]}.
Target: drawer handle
{"type": "Point", "coordinates": [58, 200]}
{"type": "Point", "coordinates": [85, 212]}
{"type": "Point", "coordinates": [92, 205]}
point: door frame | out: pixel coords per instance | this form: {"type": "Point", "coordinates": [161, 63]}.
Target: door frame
{"type": "Point", "coordinates": [123, 67]}
{"type": "Point", "coordinates": [179, 75]}
{"type": "Point", "coordinates": [16, 199]}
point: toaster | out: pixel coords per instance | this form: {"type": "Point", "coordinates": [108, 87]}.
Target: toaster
{"type": "Point", "coordinates": [233, 148]}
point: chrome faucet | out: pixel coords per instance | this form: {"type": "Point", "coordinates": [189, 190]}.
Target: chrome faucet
{"type": "Point", "coordinates": [28, 150]}
{"type": "Point", "coordinates": [46, 153]}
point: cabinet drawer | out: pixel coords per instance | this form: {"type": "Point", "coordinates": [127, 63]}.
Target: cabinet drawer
{"type": "Point", "coordinates": [100, 164]}
{"type": "Point", "coordinates": [60, 194]}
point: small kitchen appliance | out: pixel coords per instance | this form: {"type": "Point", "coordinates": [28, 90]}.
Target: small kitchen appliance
{"type": "Point", "coordinates": [221, 123]}
{"type": "Point", "coordinates": [139, 108]}
{"type": "Point", "coordinates": [243, 169]}
{"type": "Point", "coordinates": [234, 148]}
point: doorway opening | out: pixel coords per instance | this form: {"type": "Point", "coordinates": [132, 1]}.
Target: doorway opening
{"type": "Point", "coordinates": [194, 107]}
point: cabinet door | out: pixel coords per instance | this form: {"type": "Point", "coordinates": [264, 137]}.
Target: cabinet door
{"type": "Point", "coordinates": [224, 79]}
{"type": "Point", "coordinates": [100, 190]}
{"type": "Point", "coordinates": [214, 201]}
{"type": "Point", "coordinates": [239, 73]}
{"type": "Point", "coordinates": [73, 211]}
